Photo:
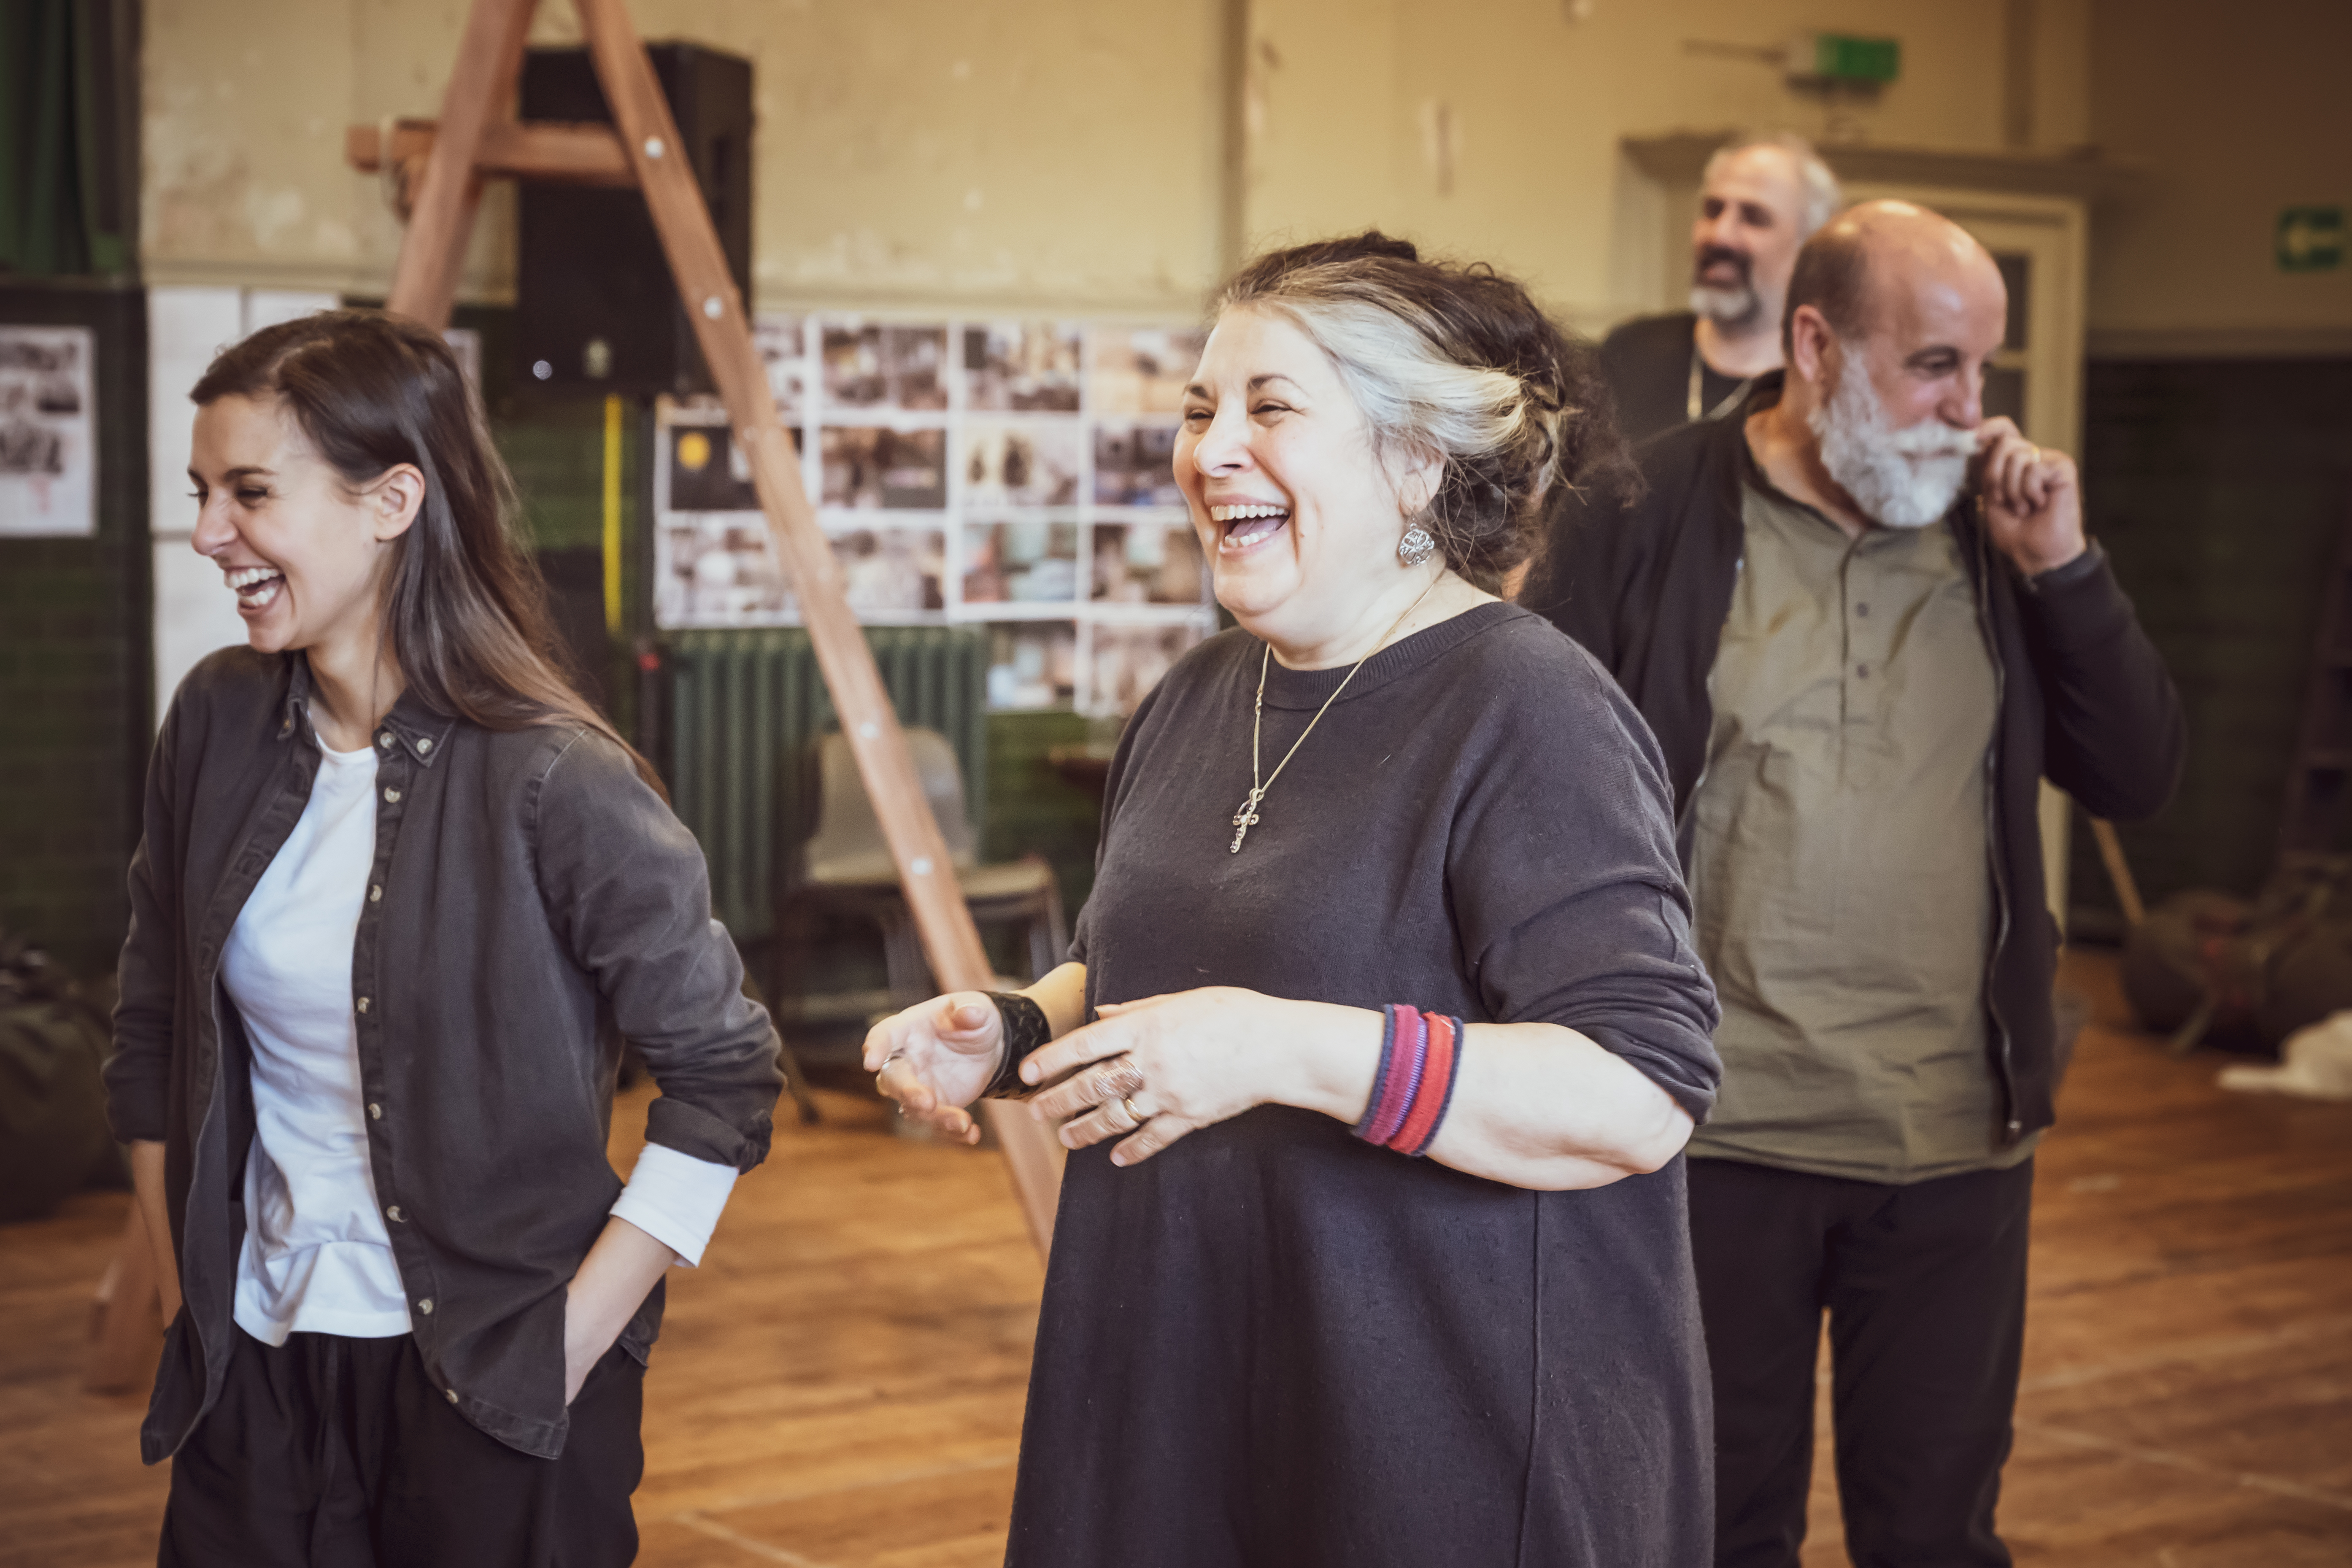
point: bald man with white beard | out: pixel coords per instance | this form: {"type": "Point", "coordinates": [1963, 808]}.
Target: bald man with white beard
{"type": "Point", "coordinates": [1864, 622]}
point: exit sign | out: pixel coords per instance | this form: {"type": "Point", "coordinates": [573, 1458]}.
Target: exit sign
{"type": "Point", "coordinates": [1823, 58]}
{"type": "Point", "coordinates": [2310, 239]}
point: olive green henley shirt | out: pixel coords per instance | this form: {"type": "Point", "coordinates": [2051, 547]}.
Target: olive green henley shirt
{"type": "Point", "coordinates": [1839, 860]}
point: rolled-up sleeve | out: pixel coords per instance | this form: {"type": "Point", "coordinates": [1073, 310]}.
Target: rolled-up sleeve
{"type": "Point", "coordinates": [676, 1199]}
{"type": "Point", "coordinates": [1569, 896]}
{"type": "Point", "coordinates": [627, 890]}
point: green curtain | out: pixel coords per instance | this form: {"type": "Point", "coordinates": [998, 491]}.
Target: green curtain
{"type": "Point", "coordinates": [63, 207]}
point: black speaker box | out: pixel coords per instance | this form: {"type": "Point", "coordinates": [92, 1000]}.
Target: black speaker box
{"type": "Point", "coordinates": [595, 305]}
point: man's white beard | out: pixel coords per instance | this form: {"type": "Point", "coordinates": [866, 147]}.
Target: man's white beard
{"type": "Point", "coordinates": [1731, 308]}
{"type": "Point", "coordinates": [1903, 479]}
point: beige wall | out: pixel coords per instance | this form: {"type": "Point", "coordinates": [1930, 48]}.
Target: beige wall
{"type": "Point", "coordinates": [1052, 153]}
{"type": "Point", "coordinates": [236, 137]}
{"type": "Point", "coordinates": [1064, 153]}
{"type": "Point", "coordinates": [1070, 153]}
{"type": "Point", "coordinates": [1344, 95]}
{"type": "Point", "coordinates": [2235, 115]}
{"type": "Point", "coordinates": [246, 103]}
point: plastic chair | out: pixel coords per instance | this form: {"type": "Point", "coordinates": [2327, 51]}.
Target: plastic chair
{"type": "Point", "coordinates": [848, 864]}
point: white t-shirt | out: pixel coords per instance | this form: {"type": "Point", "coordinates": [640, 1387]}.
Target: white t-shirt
{"type": "Point", "coordinates": [316, 1258]}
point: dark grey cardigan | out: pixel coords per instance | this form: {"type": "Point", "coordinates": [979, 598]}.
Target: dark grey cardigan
{"type": "Point", "coordinates": [531, 902]}
{"type": "Point", "coordinates": [2084, 697]}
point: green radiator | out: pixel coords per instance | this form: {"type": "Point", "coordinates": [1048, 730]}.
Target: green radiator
{"type": "Point", "coordinates": [743, 707]}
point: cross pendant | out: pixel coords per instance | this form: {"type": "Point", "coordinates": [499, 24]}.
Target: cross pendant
{"type": "Point", "coordinates": [1243, 820]}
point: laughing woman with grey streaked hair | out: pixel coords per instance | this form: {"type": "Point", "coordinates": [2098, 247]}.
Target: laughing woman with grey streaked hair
{"type": "Point", "coordinates": [1382, 1032]}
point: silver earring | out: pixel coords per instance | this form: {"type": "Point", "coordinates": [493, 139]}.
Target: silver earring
{"type": "Point", "coordinates": [1417, 545]}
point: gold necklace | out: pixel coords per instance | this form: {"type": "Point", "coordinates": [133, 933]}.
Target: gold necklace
{"type": "Point", "coordinates": [1247, 817]}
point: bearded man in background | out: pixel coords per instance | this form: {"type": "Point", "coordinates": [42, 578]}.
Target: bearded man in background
{"type": "Point", "coordinates": [1760, 198]}
{"type": "Point", "coordinates": [1864, 622]}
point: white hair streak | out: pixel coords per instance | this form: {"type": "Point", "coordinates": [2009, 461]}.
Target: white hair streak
{"type": "Point", "coordinates": [1415, 398]}
{"type": "Point", "coordinates": [1458, 366]}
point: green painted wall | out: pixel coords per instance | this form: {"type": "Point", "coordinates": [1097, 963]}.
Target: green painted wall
{"type": "Point", "coordinates": [74, 665]}
{"type": "Point", "coordinates": [553, 444]}
{"type": "Point", "coordinates": [1032, 808]}
{"type": "Point", "coordinates": [2220, 488]}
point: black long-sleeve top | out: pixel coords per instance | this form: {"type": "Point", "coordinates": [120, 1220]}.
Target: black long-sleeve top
{"type": "Point", "coordinates": [532, 902]}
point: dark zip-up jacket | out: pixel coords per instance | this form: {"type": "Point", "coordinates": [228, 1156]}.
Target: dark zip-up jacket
{"type": "Point", "coordinates": [531, 903]}
{"type": "Point", "coordinates": [2084, 697]}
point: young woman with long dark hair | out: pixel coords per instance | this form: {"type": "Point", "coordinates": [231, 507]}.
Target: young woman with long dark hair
{"type": "Point", "coordinates": [401, 893]}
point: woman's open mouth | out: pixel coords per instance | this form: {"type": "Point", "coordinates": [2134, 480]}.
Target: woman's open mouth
{"type": "Point", "coordinates": [256, 586]}
{"type": "Point", "coordinates": [1247, 525]}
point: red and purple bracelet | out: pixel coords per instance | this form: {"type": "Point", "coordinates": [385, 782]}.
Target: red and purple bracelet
{"type": "Point", "coordinates": [1419, 1055]}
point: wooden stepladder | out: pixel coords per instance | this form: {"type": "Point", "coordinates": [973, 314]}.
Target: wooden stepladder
{"type": "Point", "coordinates": [478, 137]}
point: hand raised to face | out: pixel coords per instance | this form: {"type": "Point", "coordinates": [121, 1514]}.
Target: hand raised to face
{"type": "Point", "coordinates": [2032, 498]}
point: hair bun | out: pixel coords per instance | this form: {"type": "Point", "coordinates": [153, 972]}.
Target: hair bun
{"type": "Point", "coordinates": [1370, 245]}
{"type": "Point", "coordinates": [1372, 242]}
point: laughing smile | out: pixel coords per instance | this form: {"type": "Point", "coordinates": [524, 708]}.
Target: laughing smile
{"type": "Point", "coordinates": [1248, 524]}
{"type": "Point", "coordinates": [255, 586]}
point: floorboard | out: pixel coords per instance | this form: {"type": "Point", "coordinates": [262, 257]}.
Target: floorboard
{"type": "Point", "coordinates": [841, 1385]}
{"type": "Point", "coordinates": [2187, 1395]}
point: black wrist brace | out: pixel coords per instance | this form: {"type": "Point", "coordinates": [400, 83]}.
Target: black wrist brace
{"type": "Point", "coordinates": [1025, 1030]}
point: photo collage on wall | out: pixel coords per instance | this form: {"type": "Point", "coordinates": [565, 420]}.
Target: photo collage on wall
{"type": "Point", "coordinates": [1010, 474]}
{"type": "Point", "coordinates": [48, 456]}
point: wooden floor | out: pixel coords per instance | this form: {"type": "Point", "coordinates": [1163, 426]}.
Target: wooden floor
{"type": "Point", "coordinates": [841, 1385]}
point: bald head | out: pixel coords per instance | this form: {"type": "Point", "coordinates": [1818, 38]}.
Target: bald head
{"type": "Point", "coordinates": [1895, 314]}
{"type": "Point", "coordinates": [1882, 257]}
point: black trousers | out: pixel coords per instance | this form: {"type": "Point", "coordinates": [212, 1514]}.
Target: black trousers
{"type": "Point", "coordinates": [1925, 1287]}
{"type": "Point", "coordinates": [339, 1453]}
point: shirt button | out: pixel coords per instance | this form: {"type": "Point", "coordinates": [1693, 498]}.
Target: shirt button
{"type": "Point", "coordinates": [385, 739]}
{"type": "Point", "coordinates": [424, 745]}
{"type": "Point", "coordinates": [364, 1004]}
{"type": "Point", "coordinates": [391, 797]}
{"type": "Point", "coordinates": [452, 1394]}
{"type": "Point", "coordinates": [376, 1112]}
{"type": "Point", "coordinates": [1862, 609]}
{"type": "Point", "coordinates": [375, 894]}
{"type": "Point", "coordinates": [1862, 670]}
{"type": "Point", "coordinates": [393, 1215]}
{"type": "Point", "coordinates": [426, 1306]}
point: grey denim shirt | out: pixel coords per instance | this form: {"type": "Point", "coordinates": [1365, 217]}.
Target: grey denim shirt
{"type": "Point", "coordinates": [531, 903]}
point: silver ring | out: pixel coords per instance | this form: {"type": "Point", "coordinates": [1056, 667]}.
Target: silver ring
{"type": "Point", "coordinates": [893, 1057]}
